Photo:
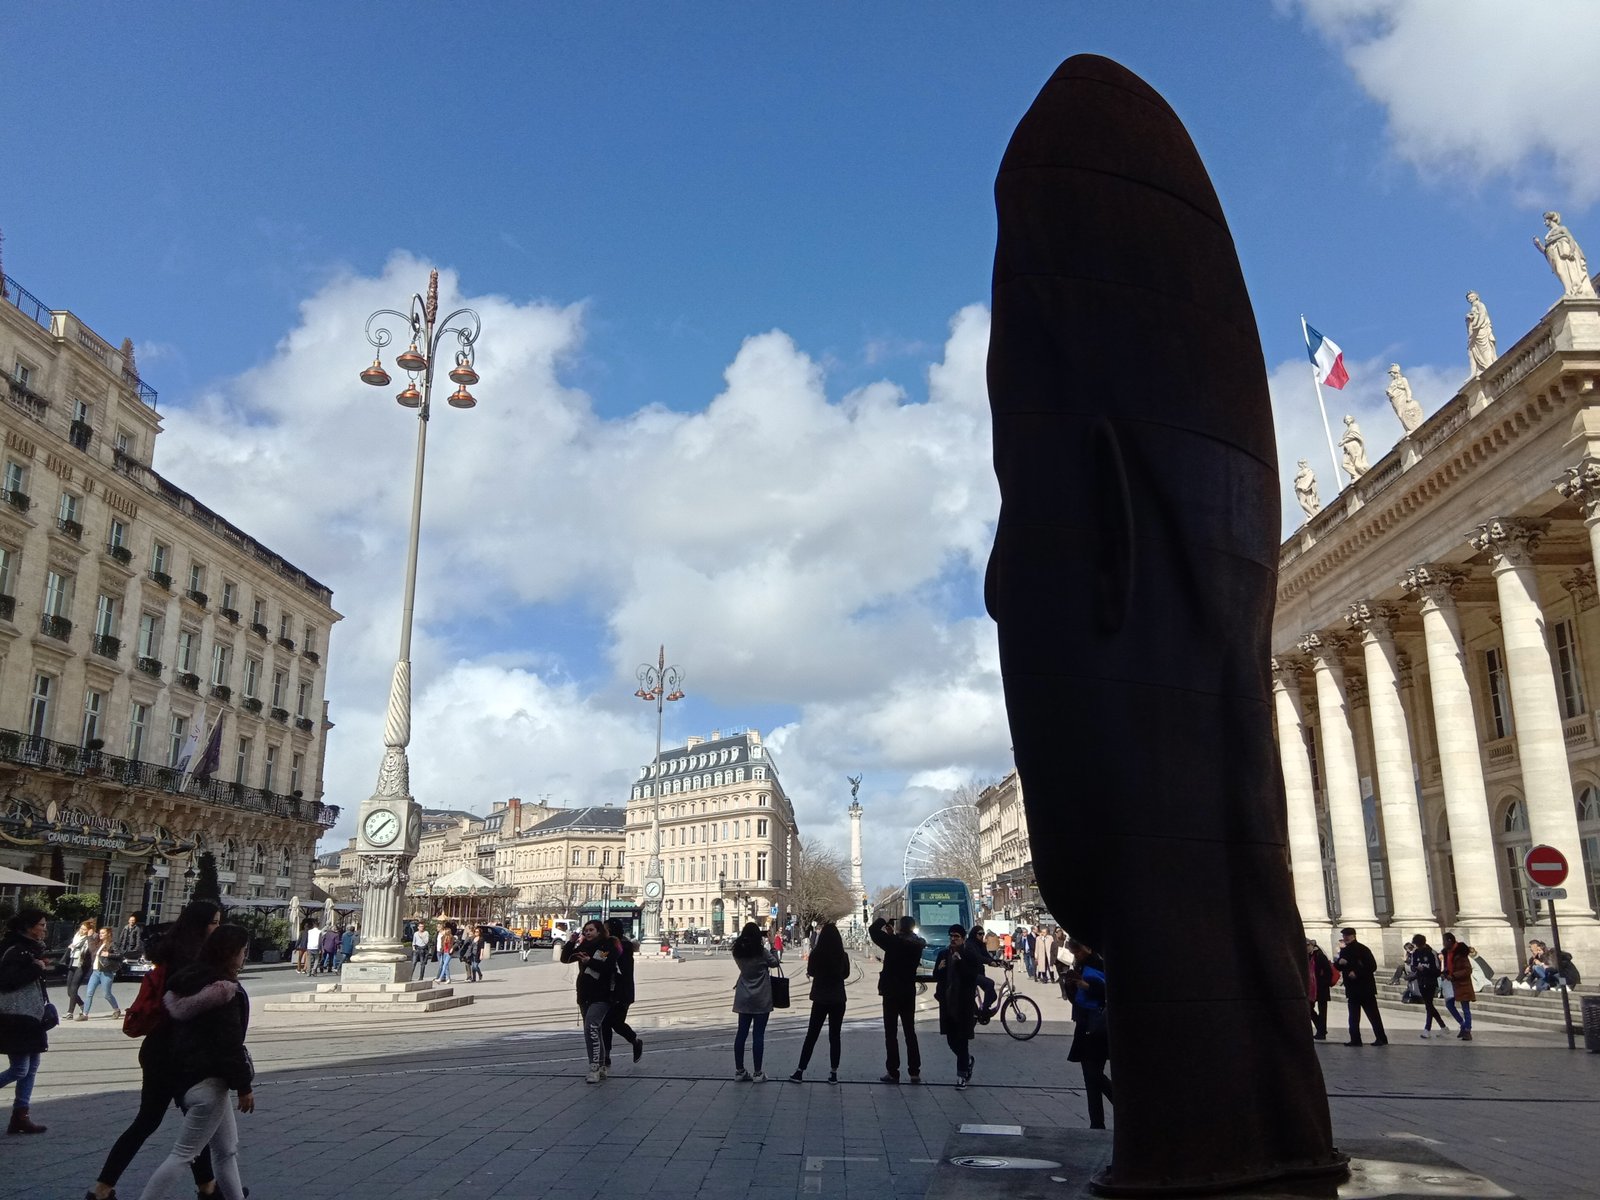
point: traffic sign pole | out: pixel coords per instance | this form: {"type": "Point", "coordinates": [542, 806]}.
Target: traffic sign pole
{"type": "Point", "coordinates": [1547, 867]}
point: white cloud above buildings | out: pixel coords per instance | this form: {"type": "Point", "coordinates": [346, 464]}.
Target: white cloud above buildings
{"type": "Point", "coordinates": [792, 548]}
{"type": "Point", "coordinates": [1478, 90]}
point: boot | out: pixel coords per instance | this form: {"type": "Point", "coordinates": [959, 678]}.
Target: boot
{"type": "Point", "coordinates": [20, 1122]}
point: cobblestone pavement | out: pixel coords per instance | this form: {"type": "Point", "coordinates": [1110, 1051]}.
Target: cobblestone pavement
{"type": "Point", "coordinates": [490, 1101]}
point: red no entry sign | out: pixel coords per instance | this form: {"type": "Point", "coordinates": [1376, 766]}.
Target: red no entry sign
{"type": "Point", "coordinates": [1546, 866]}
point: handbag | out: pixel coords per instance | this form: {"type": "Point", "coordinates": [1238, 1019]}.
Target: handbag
{"type": "Point", "coordinates": [51, 1017]}
{"type": "Point", "coordinates": [780, 989]}
{"type": "Point", "coordinates": [30, 1000]}
{"type": "Point", "coordinates": [1447, 988]}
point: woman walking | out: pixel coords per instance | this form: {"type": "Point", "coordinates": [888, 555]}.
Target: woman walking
{"type": "Point", "coordinates": [622, 999]}
{"type": "Point", "coordinates": [829, 968]}
{"type": "Point", "coordinates": [24, 1011]}
{"type": "Point", "coordinates": [80, 954]}
{"type": "Point", "coordinates": [102, 971]}
{"type": "Point", "coordinates": [472, 953]}
{"type": "Point", "coordinates": [1458, 970]}
{"type": "Point", "coordinates": [179, 947]}
{"type": "Point", "coordinates": [211, 1015]}
{"type": "Point", "coordinates": [446, 948]}
{"type": "Point", "coordinates": [752, 999]}
{"type": "Point", "coordinates": [597, 954]}
{"type": "Point", "coordinates": [1091, 1044]}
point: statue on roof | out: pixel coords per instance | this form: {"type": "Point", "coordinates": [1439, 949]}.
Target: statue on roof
{"type": "Point", "coordinates": [1562, 252]}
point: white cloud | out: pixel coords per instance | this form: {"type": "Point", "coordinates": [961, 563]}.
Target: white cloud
{"type": "Point", "coordinates": [790, 547]}
{"type": "Point", "coordinates": [1482, 89]}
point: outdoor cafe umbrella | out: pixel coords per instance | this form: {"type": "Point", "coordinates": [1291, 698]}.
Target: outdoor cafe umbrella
{"type": "Point", "coordinates": [294, 916]}
{"type": "Point", "coordinates": [327, 913]}
{"type": "Point", "coordinates": [10, 878]}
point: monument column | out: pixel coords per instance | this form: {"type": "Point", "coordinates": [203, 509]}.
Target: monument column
{"type": "Point", "coordinates": [1341, 786]}
{"type": "Point", "coordinates": [1394, 765]}
{"type": "Point", "coordinates": [1305, 847]}
{"type": "Point", "coordinates": [1480, 919]}
{"type": "Point", "coordinates": [1541, 746]}
{"type": "Point", "coordinates": [858, 891]}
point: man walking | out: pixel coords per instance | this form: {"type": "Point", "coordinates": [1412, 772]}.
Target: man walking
{"type": "Point", "coordinates": [956, 977]}
{"type": "Point", "coordinates": [420, 944]}
{"type": "Point", "coordinates": [897, 985]}
{"type": "Point", "coordinates": [130, 940]}
{"type": "Point", "coordinates": [1360, 971]}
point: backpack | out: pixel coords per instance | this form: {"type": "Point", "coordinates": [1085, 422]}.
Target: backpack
{"type": "Point", "coordinates": [147, 1014]}
{"type": "Point", "coordinates": [1502, 986]}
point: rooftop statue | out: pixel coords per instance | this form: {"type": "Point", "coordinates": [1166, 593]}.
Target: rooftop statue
{"type": "Point", "coordinates": [1354, 449]}
{"type": "Point", "coordinates": [1562, 252]}
{"type": "Point", "coordinates": [1400, 399]}
{"type": "Point", "coordinates": [1480, 336]}
{"type": "Point", "coordinates": [1140, 511]}
{"type": "Point", "coordinates": [1305, 489]}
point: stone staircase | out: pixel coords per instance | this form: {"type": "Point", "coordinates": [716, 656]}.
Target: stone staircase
{"type": "Point", "coordinates": [1533, 1012]}
{"type": "Point", "coordinates": [422, 996]}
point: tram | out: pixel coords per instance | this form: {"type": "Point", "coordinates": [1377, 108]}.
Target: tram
{"type": "Point", "coordinates": [935, 905]}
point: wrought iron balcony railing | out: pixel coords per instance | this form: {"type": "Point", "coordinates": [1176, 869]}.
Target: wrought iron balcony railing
{"type": "Point", "coordinates": [106, 646]}
{"type": "Point", "coordinates": [56, 627]}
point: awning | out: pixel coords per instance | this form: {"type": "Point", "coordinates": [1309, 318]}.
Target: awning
{"type": "Point", "coordinates": [12, 878]}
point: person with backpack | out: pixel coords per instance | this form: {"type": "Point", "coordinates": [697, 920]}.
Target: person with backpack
{"type": "Point", "coordinates": [897, 987]}
{"type": "Point", "coordinates": [147, 1018]}
{"type": "Point", "coordinates": [598, 955]}
{"type": "Point", "coordinates": [829, 968]}
{"type": "Point", "coordinates": [752, 999]}
{"type": "Point", "coordinates": [622, 998]}
{"type": "Point", "coordinates": [26, 1015]}
{"type": "Point", "coordinates": [210, 1013]}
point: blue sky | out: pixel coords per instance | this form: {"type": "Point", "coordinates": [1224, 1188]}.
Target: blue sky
{"type": "Point", "coordinates": [734, 253]}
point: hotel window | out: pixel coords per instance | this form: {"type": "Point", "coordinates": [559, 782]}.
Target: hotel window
{"type": "Point", "coordinates": [230, 595]}
{"type": "Point", "coordinates": [22, 373]}
{"type": "Point", "coordinates": [138, 721]}
{"type": "Point", "coordinates": [761, 827]}
{"type": "Point", "coordinates": [124, 442]}
{"type": "Point", "coordinates": [105, 616]}
{"type": "Point", "coordinates": [258, 860]}
{"type": "Point", "coordinates": [1568, 674]}
{"type": "Point", "coordinates": [761, 867]}
{"type": "Point", "coordinates": [180, 727]}
{"type": "Point", "coordinates": [309, 642]}
{"type": "Point", "coordinates": [67, 509]}
{"type": "Point", "coordinates": [258, 611]}
{"type": "Point", "coordinates": [57, 594]}
{"type": "Point", "coordinates": [118, 535]}
{"type": "Point", "coordinates": [241, 761]}
{"type": "Point", "coordinates": [302, 694]}
{"type": "Point", "coordinates": [93, 702]}
{"type": "Point", "coordinates": [116, 893]}
{"type": "Point", "coordinates": [16, 480]}
{"type": "Point", "coordinates": [252, 676]}
{"type": "Point", "coordinates": [1499, 697]}
{"type": "Point", "coordinates": [159, 554]}
{"type": "Point", "coordinates": [197, 577]}
{"type": "Point", "coordinates": [227, 855]}
{"type": "Point", "coordinates": [280, 682]}
{"type": "Point", "coordinates": [268, 766]}
{"type": "Point", "coordinates": [82, 411]}
{"type": "Point", "coordinates": [283, 625]}
{"type": "Point", "coordinates": [8, 559]}
{"type": "Point", "coordinates": [149, 635]}
{"type": "Point", "coordinates": [220, 656]}
{"type": "Point", "coordinates": [39, 707]}
{"type": "Point", "coordinates": [186, 641]}
{"type": "Point", "coordinates": [297, 763]}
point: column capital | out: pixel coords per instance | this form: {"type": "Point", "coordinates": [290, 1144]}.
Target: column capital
{"type": "Point", "coordinates": [1286, 670]}
{"type": "Point", "coordinates": [1434, 584]}
{"type": "Point", "coordinates": [1509, 541]}
{"type": "Point", "coordinates": [1355, 690]}
{"type": "Point", "coordinates": [1372, 619]}
{"type": "Point", "coordinates": [1325, 649]}
{"type": "Point", "coordinates": [1581, 484]}
{"type": "Point", "coordinates": [1581, 585]}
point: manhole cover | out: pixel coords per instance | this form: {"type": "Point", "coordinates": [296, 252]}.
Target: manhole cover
{"type": "Point", "coordinates": [990, 1162]}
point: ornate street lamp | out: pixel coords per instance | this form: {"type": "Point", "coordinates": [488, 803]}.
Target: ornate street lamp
{"type": "Point", "coordinates": [390, 826]}
{"type": "Point", "coordinates": [659, 683]}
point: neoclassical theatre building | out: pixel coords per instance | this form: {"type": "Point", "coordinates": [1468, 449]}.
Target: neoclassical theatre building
{"type": "Point", "coordinates": [1437, 659]}
{"type": "Point", "coordinates": [131, 615]}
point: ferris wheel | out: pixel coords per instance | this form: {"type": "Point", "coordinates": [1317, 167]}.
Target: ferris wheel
{"type": "Point", "coordinates": [942, 844]}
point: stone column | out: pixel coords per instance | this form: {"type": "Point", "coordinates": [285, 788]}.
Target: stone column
{"type": "Point", "coordinates": [1536, 711]}
{"type": "Point", "coordinates": [1341, 786]}
{"type": "Point", "coordinates": [1481, 918]}
{"type": "Point", "coordinates": [1394, 765]}
{"type": "Point", "coordinates": [1305, 848]}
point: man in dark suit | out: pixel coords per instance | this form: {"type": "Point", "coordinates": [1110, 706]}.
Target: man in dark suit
{"type": "Point", "coordinates": [1360, 970]}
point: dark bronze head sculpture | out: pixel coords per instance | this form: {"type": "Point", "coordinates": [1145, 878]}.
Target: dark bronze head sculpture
{"type": "Point", "coordinates": [1132, 581]}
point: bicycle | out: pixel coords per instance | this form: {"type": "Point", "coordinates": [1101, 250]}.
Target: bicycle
{"type": "Point", "coordinates": [1019, 1014]}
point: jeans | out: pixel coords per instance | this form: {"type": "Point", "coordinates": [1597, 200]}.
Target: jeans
{"type": "Point", "coordinates": [1030, 965]}
{"type": "Point", "coordinates": [960, 1042]}
{"type": "Point", "coordinates": [155, 1093]}
{"type": "Point", "coordinates": [833, 1014]}
{"type": "Point", "coordinates": [100, 981]}
{"type": "Point", "coordinates": [476, 972]}
{"type": "Point", "coordinates": [1464, 1015]}
{"type": "Point", "coordinates": [901, 1013]}
{"type": "Point", "coordinates": [419, 963]}
{"type": "Point", "coordinates": [593, 1016]}
{"type": "Point", "coordinates": [207, 1120]}
{"type": "Point", "coordinates": [21, 1072]}
{"type": "Point", "coordinates": [444, 969]}
{"type": "Point", "coordinates": [747, 1022]}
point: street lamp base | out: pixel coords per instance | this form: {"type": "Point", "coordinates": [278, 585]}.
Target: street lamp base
{"type": "Point", "coordinates": [377, 965]}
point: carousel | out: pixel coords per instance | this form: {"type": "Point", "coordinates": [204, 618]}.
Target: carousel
{"type": "Point", "coordinates": [463, 896]}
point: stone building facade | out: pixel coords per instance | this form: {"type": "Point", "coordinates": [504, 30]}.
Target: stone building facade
{"type": "Point", "coordinates": [131, 618]}
{"type": "Point", "coordinates": [1437, 655]}
{"type": "Point", "coordinates": [1005, 852]}
{"type": "Point", "coordinates": [728, 833]}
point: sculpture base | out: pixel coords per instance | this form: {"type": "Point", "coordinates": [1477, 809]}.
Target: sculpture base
{"type": "Point", "coordinates": [372, 996]}
{"type": "Point", "coordinates": [991, 1162]}
{"type": "Point", "coordinates": [381, 971]}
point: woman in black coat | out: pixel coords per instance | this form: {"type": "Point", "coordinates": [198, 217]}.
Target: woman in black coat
{"type": "Point", "coordinates": [178, 947]}
{"type": "Point", "coordinates": [955, 976]}
{"type": "Point", "coordinates": [210, 1013]}
{"type": "Point", "coordinates": [1319, 982]}
{"type": "Point", "coordinates": [623, 996]}
{"type": "Point", "coordinates": [22, 1011]}
{"type": "Point", "coordinates": [829, 968]}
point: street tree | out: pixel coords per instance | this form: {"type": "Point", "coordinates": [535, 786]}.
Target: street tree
{"type": "Point", "coordinates": [818, 891]}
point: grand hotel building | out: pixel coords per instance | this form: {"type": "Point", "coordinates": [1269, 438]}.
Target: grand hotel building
{"type": "Point", "coordinates": [130, 612]}
{"type": "Point", "coordinates": [1437, 659]}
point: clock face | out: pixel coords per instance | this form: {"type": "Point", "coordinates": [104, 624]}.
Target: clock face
{"type": "Point", "coordinates": [652, 888]}
{"type": "Point", "coordinates": [381, 827]}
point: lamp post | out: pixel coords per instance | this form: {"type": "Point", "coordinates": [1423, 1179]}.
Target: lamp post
{"type": "Point", "coordinates": [659, 683]}
{"type": "Point", "coordinates": [390, 826]}
{"type": "Point", "coordinates": [149, 883]}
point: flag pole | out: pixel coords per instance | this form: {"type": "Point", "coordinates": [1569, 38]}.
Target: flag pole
{"type": "Point", "coordinates": [1327, 430]}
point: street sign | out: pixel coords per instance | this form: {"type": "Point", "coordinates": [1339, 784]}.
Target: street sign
{"type": "Point", "coordinates": [1539, 893]}
{"type": "Point", "coordinates": [1546, 866]}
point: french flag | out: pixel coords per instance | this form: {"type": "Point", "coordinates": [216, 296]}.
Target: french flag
{"type": "Point", "coordinates": [1327, 358]}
